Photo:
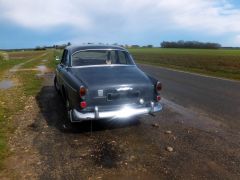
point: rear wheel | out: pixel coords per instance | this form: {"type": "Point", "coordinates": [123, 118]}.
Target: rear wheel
{"type": "Point", "coordinates": [56, 85]}
{"type": "Point", "coordinates": [69, 110]}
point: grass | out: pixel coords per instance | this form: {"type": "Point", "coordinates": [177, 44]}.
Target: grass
{"type": "Point", "coordinates": [31, 83]}
{"type": "Point", "coordinates": [7, 64]}
{"type": "Point", "coordinates": [24, 54]}
{"type": "Point", "coordinates": [220, 63]}
{"type": "Point", "coordinates": [6, 108]}
{"type": "Point", "coordinates": [52, 55]}
{"type": "Point", "coordinates": [13, 100]}
{"type": "Point", "coordinates": [1, 56]}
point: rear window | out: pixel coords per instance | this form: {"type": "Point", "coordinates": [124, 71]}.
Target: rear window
{"type": "Point", "coordinates": [101, 57]}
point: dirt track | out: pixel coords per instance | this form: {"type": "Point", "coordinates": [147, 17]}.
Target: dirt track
{"type": "Point", "coordinates": [46, 147]}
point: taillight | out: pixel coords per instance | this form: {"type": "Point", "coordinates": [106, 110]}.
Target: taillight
{"type": "Point", "coordinates": [158, 87]}
{"type": "Point", "coordinates": [158, 98]}
{"type": "Point", "coordinates": [83, 104]}
{"type": "Point", "coordinates": [82, 91]}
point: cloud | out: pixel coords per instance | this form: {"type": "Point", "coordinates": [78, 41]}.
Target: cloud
{"type": "Point", "coordinates": [214, 17]}
{"type": "Point", "coordinates": [237, 40]}
{"type": "Point", "coordinates": [206, 16]}
{"type": "Point", "coordinates": [43, 14]}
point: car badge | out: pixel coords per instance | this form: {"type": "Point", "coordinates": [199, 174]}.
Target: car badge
{"type": "Point", "coordinates": [100, 92]}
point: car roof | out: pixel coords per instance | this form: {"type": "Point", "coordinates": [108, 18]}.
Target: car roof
{"type": "Point", "coordinates": [73, 49]}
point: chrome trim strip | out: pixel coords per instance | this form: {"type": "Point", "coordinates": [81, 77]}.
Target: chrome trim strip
{"type": "Point", "coordinates": [110, 49]}
{"type": "Point", "coordinates": [103, 65]}
{"type": "Point", "coordinates": [124, 89]}
{"type": "Point", "coordinates": [125, 112]}
{"type": "Point", "coordinates": [100, 97]}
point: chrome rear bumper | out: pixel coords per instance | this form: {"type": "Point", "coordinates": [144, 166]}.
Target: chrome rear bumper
{"type": "Point", "coordinates": [124, 112]}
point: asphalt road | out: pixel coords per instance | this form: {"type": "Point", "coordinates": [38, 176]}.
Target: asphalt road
{"type": "Point", "coordinates": [218, 98]}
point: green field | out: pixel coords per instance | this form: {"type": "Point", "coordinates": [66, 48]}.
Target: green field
{"type": "Point", "coordinates": [27, 85]}
{"type": "Point", "coordinates": [1, 56]}
{"type": "Point", "coordinates": [220, 63]}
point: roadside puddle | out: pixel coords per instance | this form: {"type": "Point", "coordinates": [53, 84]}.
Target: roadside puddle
{"type": "Point", "coordinates": [43, 69]}
{"type": "Point", "coordinates": [6, 84]}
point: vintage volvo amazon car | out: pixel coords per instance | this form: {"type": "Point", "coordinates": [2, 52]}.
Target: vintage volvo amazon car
{"type": "Point", "coordinates": [101, 82]}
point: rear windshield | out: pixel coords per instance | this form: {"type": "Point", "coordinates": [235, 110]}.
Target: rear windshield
{"type": "Point", "coordinates": [101, 57]}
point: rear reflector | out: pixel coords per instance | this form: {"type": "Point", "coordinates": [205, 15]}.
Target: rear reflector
{"type": "Point", "coordinates": [83, 104]}
{"type": "Point", "coordinates": [158, 98]}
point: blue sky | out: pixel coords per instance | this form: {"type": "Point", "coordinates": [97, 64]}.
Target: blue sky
{"type": "Point", "coordinates": [30, 23]}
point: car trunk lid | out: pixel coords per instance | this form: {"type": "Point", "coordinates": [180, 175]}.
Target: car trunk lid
{"type": "Point", "coordinates": [115, 85]}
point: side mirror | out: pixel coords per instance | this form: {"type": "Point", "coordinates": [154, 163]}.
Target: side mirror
{"type": "Point", "coordinates": [57, 58]}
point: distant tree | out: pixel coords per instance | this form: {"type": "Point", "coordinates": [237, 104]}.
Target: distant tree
{"type": "Point", "coordinates": [61, 46]}
{"type": "Point", "coordinates": [190, 44]}
{"type": "Point", "coordinates": [39, 48]}
{"type": "Point", "coordinates": [135, 46]}
{"type": "Point", "coordinates": [150, 46]}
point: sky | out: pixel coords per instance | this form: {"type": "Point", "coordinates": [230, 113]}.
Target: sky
{"type": "Point", "coordinates": [31, 23]}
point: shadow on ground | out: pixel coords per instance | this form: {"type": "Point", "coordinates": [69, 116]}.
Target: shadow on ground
{"type": "Point", "coordinates": [73, 151]}
{"type": "Point", "coordinates": [52, 109]}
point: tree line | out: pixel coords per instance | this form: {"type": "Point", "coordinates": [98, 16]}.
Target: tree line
{"type": "Point", "coordinates": [190, 44]}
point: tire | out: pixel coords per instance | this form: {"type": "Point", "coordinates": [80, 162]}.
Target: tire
{"type": "Point", "coordinates": [69, 115]}
{"type": "Point", "coordinates": [56, 86]}
{"type": "Point", "coordinates": [66, 121]}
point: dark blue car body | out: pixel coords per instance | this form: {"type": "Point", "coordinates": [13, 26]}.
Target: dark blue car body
{"type": "Point", "coordinates": [117, 90]}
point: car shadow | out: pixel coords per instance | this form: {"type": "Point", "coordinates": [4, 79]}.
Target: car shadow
{"type": "Point", "coordinates": [53, 111]}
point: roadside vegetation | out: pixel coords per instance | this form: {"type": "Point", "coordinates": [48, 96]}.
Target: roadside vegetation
{"type": "Point", "coordinates": [52, 55]}
{"type": "Point", "coordinates": [27, 84]}
{"type": "Point", "coordinates": [1, 56]}
{"type": "Point", "coordinates": [214, 62]}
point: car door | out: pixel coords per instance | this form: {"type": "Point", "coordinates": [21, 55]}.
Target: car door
{"type": "Point", "coordinates": [66, 77]}
{"type": "Point", "coordinates": [61, 69]}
